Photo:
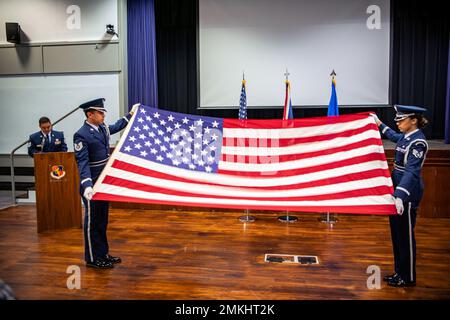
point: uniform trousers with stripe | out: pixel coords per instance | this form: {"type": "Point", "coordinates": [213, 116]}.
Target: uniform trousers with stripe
{"type": "Point", "coordinates": [95, 227]}
{"type": "Point", "coordinates": [404, 242]}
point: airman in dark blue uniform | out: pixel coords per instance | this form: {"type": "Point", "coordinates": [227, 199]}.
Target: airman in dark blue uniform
{"type": "Point", "coordinates": [46, 140]}
{"type": "Point", "coordinates": [410, 153]}
{"type": "Point", "coordinates": [91, 145]}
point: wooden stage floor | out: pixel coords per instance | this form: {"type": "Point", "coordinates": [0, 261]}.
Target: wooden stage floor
{"type": "Point", "coordinates": [211, 255]}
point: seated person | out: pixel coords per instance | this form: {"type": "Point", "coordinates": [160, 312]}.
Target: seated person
{"type": "Point", "coordinates": [46, 140]}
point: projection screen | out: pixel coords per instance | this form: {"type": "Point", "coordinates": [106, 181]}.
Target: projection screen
{"type": "Point", "coordinates": [263, 38]}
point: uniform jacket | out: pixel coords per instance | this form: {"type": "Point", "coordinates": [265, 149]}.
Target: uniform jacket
{"type": "Point", "coordinates": [56, 144]}
{"type": "Point", "coordinates": [410, 153]}
{"type": "Point", "coordinates": [92, 150]}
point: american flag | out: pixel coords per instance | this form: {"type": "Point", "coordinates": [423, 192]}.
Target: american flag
{"type": "Point", "coordinates": [243, 102]}
{"type": "Point", "coordinates": [314, 164]}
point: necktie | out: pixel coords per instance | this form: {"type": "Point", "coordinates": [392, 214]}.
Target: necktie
{"type": "Point", "coordinates": [103, 132]}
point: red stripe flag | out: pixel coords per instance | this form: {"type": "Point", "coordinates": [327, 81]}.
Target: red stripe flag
{"type": "Point", "coordinates": [325, 164]}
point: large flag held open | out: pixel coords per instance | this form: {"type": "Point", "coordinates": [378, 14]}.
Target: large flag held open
{"type": "Point", "coordinates": [314, 164]}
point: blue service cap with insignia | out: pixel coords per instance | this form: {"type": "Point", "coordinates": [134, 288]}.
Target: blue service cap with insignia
{"type": "Point", "coordinates": [96, 104]}
{"type": "Point", "coordinates": [404, 112]}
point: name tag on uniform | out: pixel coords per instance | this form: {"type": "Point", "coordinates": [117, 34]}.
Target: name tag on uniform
{"type": "Point", "coordinates": [57, 141]}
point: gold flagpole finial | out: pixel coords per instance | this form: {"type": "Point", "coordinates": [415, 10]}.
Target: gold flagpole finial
{"type": "Point", "coordinates": [286, 74]}
{"type": "Point", "coordinates": [333, 74]}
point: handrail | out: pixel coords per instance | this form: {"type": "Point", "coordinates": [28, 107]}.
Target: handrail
{"type": "Point", "coordinates": [13, 183]}
{"type": "Point", "coordinates": [11, 157]}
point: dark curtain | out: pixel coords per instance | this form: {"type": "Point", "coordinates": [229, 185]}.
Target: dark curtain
{"type": "Point", "coordinates": [141, 51]}
{"type": "Point", "coordinates": [420, 59]}
{"type": "Point", "coordinates": [176, 47]}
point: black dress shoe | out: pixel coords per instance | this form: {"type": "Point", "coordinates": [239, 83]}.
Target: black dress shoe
{"type": "Point", "coordinates": [390, 277]}
{"type": "Point", "coordinates": [399, 282]}
{"type": "Point", "coordinates": [100, 264]}
{"type": "Point", "coordinates": [113, 259]}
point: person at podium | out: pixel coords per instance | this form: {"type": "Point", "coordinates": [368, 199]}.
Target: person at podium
{"type": "Point", "coordinates": [46, 140]}
{"type": "Point", "coordinates": [91, 145]}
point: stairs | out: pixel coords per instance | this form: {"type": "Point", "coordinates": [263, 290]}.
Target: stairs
{"type": "Point", "coordinates": [24, 179]}
{"type": "Point", "coordinates": [27, 198]}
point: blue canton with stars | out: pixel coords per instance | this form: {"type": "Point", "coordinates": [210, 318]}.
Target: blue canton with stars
{"type": "Point", "coordinates": [180, 140]}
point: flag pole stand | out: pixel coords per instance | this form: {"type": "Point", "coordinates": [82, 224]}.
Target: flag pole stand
{"type": "Point", "coordinates": [328, 218]}
{"type": "Point", "coordinates": [287, 218]}
{"type": "Point", "coordinates": [246, 218]}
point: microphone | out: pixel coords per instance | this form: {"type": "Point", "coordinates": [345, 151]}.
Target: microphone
{"type": "Point", "coordinates": [42, 143]}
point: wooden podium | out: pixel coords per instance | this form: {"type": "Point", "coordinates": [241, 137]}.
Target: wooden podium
{"type": "Point", "coordinates": [58, 201]}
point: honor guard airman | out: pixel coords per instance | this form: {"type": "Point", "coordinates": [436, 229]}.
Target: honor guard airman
{"type": "Point", "coordinates": [91, 145]}
{"type": "Point", "coordinates": [46, 140]}
{"type": "Point", "coordinates": [410, 154]}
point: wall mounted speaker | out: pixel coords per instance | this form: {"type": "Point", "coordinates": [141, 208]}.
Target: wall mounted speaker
{"type": "Point", "coordinates": [12, 32]}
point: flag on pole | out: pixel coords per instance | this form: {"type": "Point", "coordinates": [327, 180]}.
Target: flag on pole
{"type": "Point", "coordinates": [333, 108]}
{"type": "Point", "coordinates": [243, 102]}
{"type": "Point", "coordinates": [287, 113]}
{"type": "Point", "coordinates": [315, 165]}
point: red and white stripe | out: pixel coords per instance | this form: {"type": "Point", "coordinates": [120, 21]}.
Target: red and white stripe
{"type": "Point", "coordinates": [316, 165]}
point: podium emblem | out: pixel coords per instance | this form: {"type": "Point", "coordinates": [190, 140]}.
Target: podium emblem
{"type": "Point", "coordinates": [57, 172]}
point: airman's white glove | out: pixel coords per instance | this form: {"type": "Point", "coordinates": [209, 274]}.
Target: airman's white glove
{"type": "Point", "coordinates": [399, 206]}
{"type": "Point", "coordinates": [375, 117]}
{"type": "Point", "coordinates": [134, 108]}
{"type": "Point", "coordinates": [88, 193]}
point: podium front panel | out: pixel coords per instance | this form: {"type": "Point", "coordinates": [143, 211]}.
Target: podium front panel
{"type": "Point", "coordinates": [58, 202]}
